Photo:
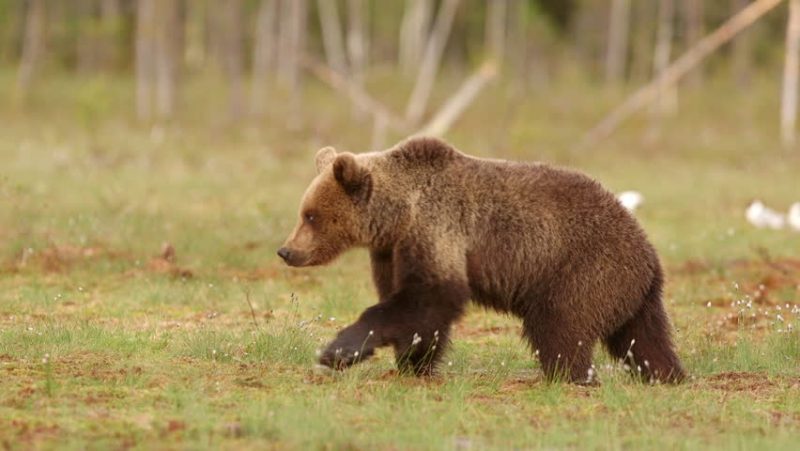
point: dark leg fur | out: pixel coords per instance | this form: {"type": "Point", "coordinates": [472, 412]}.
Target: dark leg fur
{"type": "Point", "coordinates": [644, 342]}
{"type": "Point", "coordinates": [562, 354]}
{"type": "Point", "coordinates": [415, 320]}
{"type": "Point", "coordinates": [382, 272]}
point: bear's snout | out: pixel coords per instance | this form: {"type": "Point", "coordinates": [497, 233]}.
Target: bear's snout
{"type": "Point", "coordinates": [293, 257]}
{"type": "Point", "coordinates": [285, 254]}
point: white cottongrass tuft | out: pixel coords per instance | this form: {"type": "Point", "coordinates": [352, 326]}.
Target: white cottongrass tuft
{"type": "Point", "coordinates": [793, 218]}
{"type": "Point", "coordinates": [631, 200]}
{"type": "Point", "coordinates": [764, 217]}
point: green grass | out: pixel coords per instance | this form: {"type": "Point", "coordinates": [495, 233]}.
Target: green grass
{"type": "Point", "coordinates": [102, 345]}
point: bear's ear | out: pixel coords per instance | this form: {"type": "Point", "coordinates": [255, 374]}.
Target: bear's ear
{"type": "Point", "coordinates": [354, 178]}
{"type": "Point", "coordinates": [325, 156]}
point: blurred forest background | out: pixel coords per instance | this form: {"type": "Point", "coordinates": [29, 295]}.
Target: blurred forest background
{"type": "Point", "coordinates": [267, 51]}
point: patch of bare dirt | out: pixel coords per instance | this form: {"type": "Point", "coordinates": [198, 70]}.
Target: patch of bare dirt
{"type": "Point", "coordinates": [166, 262]}
{"type": "Point", "coordinates": [58, 258]}
{"type": "Point", "coordinates": [467, 330]}
{"type": "Point", "coordinates": [748, 382]}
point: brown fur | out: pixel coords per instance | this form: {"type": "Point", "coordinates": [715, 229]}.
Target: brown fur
{"type": "Point", "coordinates": [548, 245]}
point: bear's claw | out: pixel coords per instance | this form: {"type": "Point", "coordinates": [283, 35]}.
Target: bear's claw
{"type": "Point", "coordinates": [339, 357]}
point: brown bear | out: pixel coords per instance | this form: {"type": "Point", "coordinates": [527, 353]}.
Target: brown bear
{"type": "Point", "coordinates": [548, 245]}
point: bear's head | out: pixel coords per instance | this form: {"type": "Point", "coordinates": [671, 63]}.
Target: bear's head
{"type": "Point", "coordinates": [332, 211]}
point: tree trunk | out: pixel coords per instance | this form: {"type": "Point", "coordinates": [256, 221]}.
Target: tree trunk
{"type": "Point", "coordinates": [694, 15]}
{"type": "Point", "coordinates": [742, 58]}
{"type": "Point", "coordinates": [356, 38]}
{"type": "Point", "coordinates": [292, 29]}
{"type": "Point", "coordinates": [495, 29]}
{"type": "Point", "coordinates": [430, 64]}
{"type": "Point", "coordinates": [617, 51]}
{"type": "Point", "coordinates": [790, 76]}
{"type": "Point", "coordinates": [667, 102]}
{"type": "Point", "coordinates": [264, 53]}
{"type": "Point", "coordinates": [33, 44]}
{"type": "Point", "coordinates": [332, 35]}
{"type": "Point", "coordinates": [517, 45]}
{"type": "Point", "coordinates": [231, 46]}
{"type": "Point", "coordinates": [145, 57]}
{"type": "Point", "coordinates": [167, 50]}
{"type": "Point", "coordinates": [197, 48]}
{"type": "Point", "coordinates": [111, 22]}
{"type": "Point", "coordinates": [413, 33]}
{"type": "Point", "coordinates": [644, 23]}
{"type": "Point", "coordinates": [87, 39]}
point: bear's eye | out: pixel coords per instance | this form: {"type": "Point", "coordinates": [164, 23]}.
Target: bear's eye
{"type": "Point", "coordinates": [310, 218]}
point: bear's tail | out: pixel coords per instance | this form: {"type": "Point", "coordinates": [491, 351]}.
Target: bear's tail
{"type": "Point", "coordinates": [644, 342]}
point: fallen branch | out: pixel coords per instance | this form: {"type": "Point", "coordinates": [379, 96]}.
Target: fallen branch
{"type": "Point", "coordinates": [455, 105]}
{"type": "Point", "coordinates": [360, 98]}
{"type": "Point", "coordinates": [677, 70]}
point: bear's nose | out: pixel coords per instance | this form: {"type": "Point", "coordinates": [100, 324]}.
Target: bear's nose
{"type": "Point", "coordinates": [284, 253]}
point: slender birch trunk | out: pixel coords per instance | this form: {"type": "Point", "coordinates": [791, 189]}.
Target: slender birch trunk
{"type": "Point", "coordinates": [617, 51]}
{"type": "Point", "coordinates": [495, 29]}
{"type": "Point", "coordinates": [413, 33]}
{"type": "Point", "coordinates": [32, 45]}
{"type": "Point", "coordinates": [264, 53]}
{"type": "Point", "coordinates": [790, 76]}
{"type": "Point", "coordinates": [332, 35]}
{"type": "Point", "coordinates": [432, 59]}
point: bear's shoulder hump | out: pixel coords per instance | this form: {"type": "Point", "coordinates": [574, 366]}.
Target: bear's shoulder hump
{"type": "Point", "coordinates": [424, 151]}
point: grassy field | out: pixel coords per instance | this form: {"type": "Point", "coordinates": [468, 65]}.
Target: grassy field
{"type": "Point", "coordinates": [104, 342]}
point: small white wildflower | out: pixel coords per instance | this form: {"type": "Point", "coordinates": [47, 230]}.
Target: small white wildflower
{"type": "Point", "coordinates": [450, 363]}
{"type": "Point", "coordinates": [580, 342]}
{"type": "Point", "coordinates": [355, 354]}
{"type": "Point", "coordinates": [708, 304]}
{"type": "Point", "coordinates": [371, 333]}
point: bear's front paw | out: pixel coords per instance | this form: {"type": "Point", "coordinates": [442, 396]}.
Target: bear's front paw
{"type": "Point", "coordinates": [339, 356]}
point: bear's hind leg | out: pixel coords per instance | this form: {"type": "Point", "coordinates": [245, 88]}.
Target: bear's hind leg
{"type": "Point", "coordinates": [643, 342]}
{"type": "Point", "coordinates": [562, 355]}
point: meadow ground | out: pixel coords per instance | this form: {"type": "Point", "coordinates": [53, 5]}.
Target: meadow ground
{"type": "Point", "coordinates": [104, 342]}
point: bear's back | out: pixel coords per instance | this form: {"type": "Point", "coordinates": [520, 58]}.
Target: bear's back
{"type": "Point", "coordinates": [527, 227]}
